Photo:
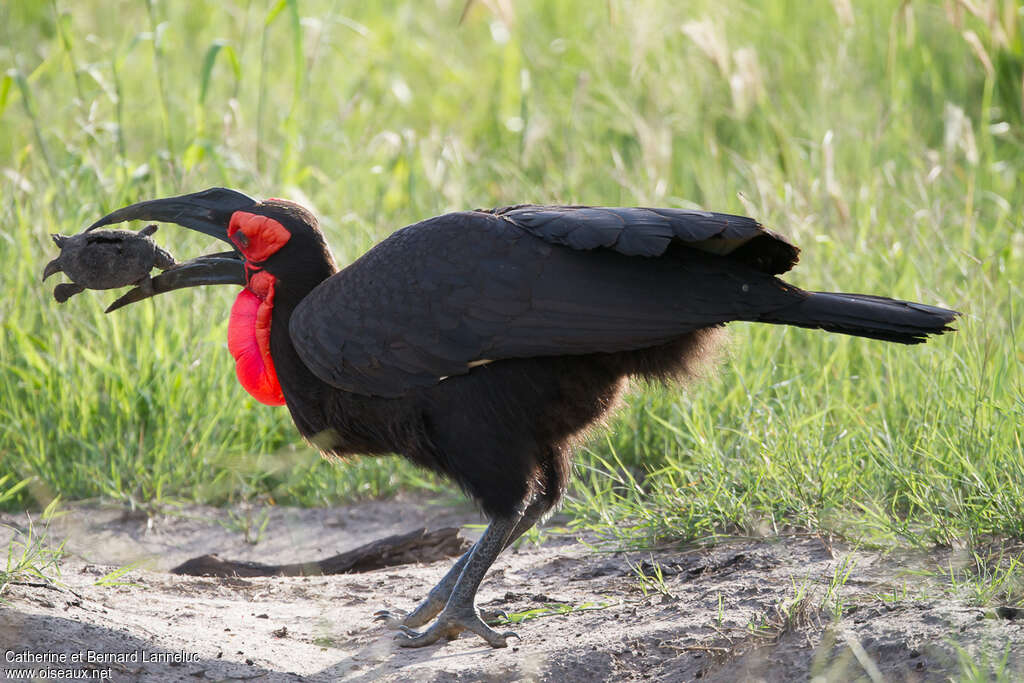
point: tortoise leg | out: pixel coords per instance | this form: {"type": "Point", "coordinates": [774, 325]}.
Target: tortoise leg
{"type": "Point", "coordinates": [145, 284]}
{"type": "Point", "coordinates": [66, 290]}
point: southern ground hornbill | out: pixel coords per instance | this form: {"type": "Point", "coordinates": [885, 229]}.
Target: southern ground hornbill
{"type": "Point", "coordinates": [483, 344]}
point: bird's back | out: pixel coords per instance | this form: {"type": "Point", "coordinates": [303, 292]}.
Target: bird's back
{"type": "Point", "coordinates": [438, 298]}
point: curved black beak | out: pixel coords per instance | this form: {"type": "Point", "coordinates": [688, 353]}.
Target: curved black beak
{"type": "Point", "coordinates": [208, 211]}
{"type": "Point", "coordinates": [226, 268]}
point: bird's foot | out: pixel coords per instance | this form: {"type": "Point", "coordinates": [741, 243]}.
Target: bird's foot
{"type": "Point", "coordinates": [426, 611]}
{"type": "Point", "coordinates": [449, 625]}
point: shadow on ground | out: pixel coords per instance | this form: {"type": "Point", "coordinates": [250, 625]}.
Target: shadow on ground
{"type": "Point", "coordinates": [743, 610]}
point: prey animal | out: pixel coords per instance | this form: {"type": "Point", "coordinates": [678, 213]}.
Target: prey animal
{"type": "Point", "coordinates": [106, 259]}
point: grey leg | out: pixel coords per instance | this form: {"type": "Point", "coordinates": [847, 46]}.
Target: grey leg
{"type": "Point", "coordinates": [460, 614]}
{"type": "Point", "coordinates": [439, 594]}
{"type": "Point", "coordinates": [532, 515]}
{"type": "Point", "coordinates": [432, 604]}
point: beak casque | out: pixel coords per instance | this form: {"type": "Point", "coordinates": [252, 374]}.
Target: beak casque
{"type": "Point", "coordinates": [208, 211]}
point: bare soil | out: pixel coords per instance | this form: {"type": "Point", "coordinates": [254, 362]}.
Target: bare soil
{"type": "Point", "coordinates": [743, 610]}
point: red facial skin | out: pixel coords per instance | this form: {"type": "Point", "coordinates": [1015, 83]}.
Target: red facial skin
{"type": "Point", "coordinates": [257, 237]}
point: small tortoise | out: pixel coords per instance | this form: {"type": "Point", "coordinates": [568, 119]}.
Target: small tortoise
{"type": "Point", "coordinates": [106, 259]}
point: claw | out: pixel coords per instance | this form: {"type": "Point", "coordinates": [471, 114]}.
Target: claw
{"type": "Point", "coordinates": [423, 613]}
{"type": "Point", "coordinates": [391, 620]}
{"type": "Point", "coordinates": [494, 616]}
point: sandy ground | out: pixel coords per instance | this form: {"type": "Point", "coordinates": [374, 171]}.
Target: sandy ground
{"type": "Point", "coordinates": [727, 613]}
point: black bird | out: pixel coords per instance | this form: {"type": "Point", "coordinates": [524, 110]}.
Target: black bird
{"type": "Point", "coordinates": [482, 344]}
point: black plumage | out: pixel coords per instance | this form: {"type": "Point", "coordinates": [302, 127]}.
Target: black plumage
{"type": "Point", "coordinates": [637, 292]}
{"type": "Point", "coordinates": [483, 344]}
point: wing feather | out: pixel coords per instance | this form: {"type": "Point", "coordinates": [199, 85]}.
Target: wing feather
{"type": "Point", "coordinates": [636, 231]}
{"type": "Point", "coordinates": [438, 298]}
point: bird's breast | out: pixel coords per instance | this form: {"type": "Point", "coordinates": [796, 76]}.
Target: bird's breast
{"type": "Point", "coordinates": [249, 338]}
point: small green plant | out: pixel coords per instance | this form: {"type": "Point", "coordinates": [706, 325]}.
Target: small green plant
{"type": "Point", "coordinates": [113, 579]}
{"type": "Point", "coordinates": [650, 577]}
{"type": "Point", "coordinates": [833, 601]}
{"type": "Point", "coordinates": [550, 609]}
{"type": "Point", "coordinates": [989, 579]}
{"type": "Point", "coordinates": [251, 525]}
{"type": "Point", "coordinates": [896, 594]}
{"type": "Point", "coordinates": [30, 556]}
{"type": "Point", "coordinates": [984, 666]}
{"type": "Point", "coordinates": [794, 613]}
{"type": "Point", "coordinates": [323, 634]}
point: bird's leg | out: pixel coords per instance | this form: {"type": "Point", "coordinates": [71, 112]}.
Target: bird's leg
{"type": "Point", "coordinates": [439, 594]}
{"type": "Point", "coordinates": [433, 603]}
{"type": "Point", "coordinates": [459, 614]}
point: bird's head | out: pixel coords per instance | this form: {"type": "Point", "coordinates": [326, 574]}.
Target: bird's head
{"type": "Point", "coordinates": [277, 237]}
{"type": "Point", "coordinates": [278, 254]}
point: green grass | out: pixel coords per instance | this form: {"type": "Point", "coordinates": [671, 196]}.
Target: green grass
{"type": "Point", "coordinates": [886, 144]}
{"type": "Point", "coordinates": [31, 555]}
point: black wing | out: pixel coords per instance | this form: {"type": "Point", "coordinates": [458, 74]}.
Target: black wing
{"type": "Point", "coordinates": [439, 297]}
{"type": "Point", "coordinates": [637, 231]}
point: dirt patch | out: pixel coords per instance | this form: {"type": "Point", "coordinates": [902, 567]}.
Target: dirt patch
{"type": "Point", "coordinates": [750, 610]}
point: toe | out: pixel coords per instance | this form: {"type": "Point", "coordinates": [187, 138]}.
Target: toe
{"type": "Point", "coordinates": [494, 616]}
{"type": "Point", "coordinates": [411, 638]}
{"type": "Point", "coordinates": [449, 626]}
{"type": "Point", "coordinates": [392, 620]}
{"type": "Point", "coordinates": [492, 637]}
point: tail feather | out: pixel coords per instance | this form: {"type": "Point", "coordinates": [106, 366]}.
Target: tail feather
{"type": "Point", "coordinates": [863, 315]}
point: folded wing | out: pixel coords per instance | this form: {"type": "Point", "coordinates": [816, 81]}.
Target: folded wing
{"type": "Point", "coordinates": [440, 297]}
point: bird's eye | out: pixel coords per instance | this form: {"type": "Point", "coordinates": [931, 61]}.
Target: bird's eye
{"type": "Point", "coordinates": [258, 237]}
